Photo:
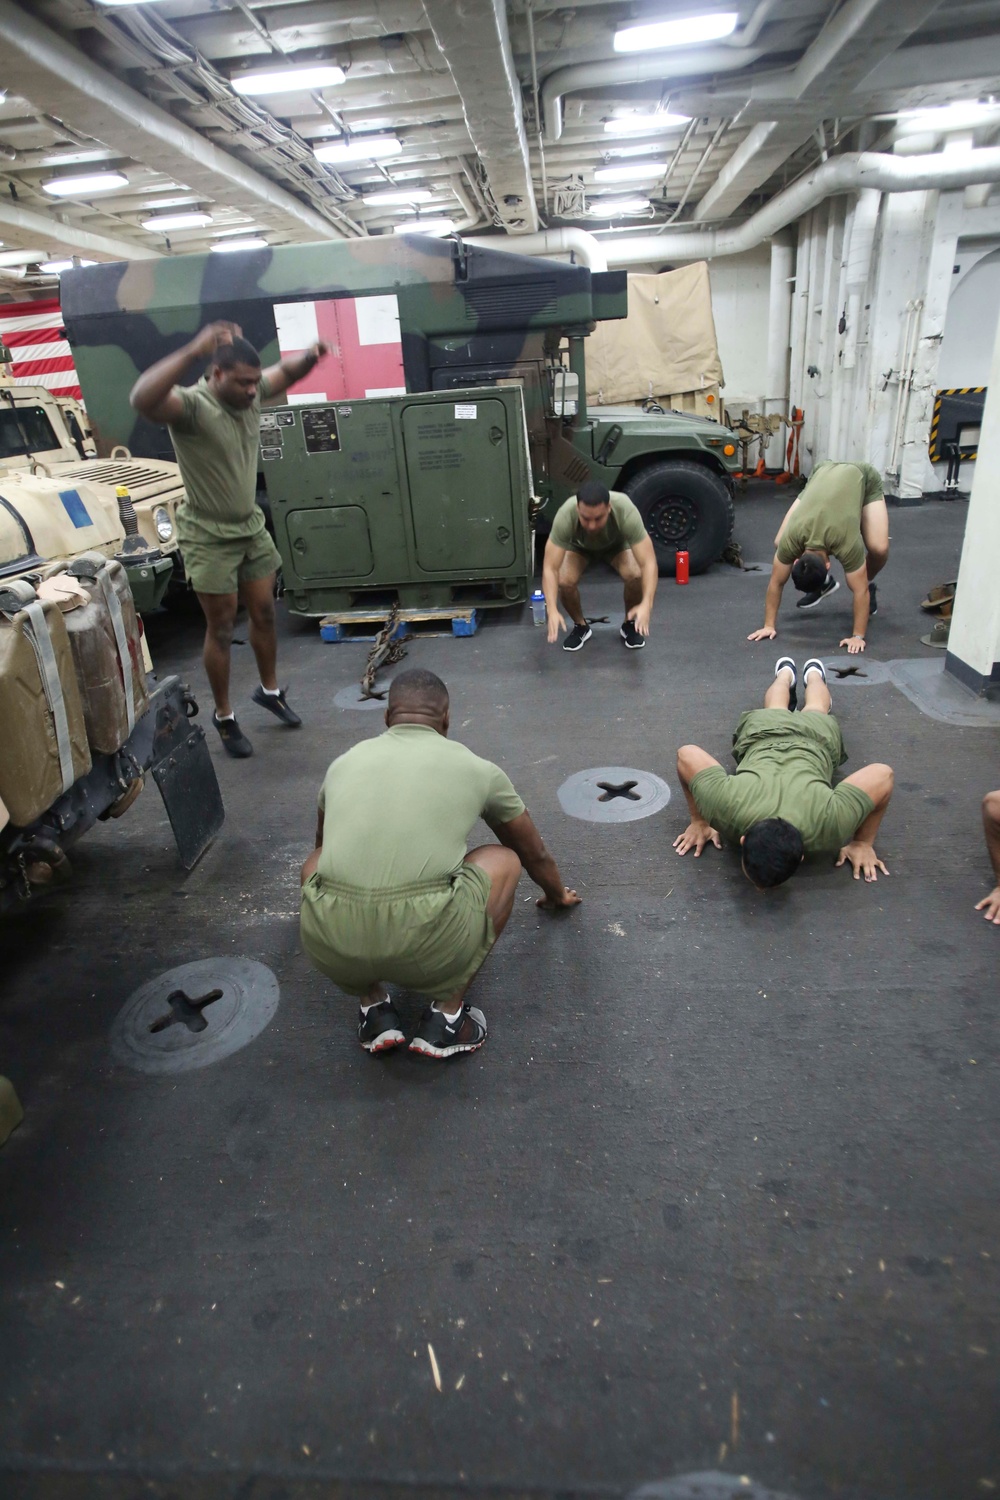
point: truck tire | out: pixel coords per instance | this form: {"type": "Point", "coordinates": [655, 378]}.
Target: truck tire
{"type": "Point", "coordinates": [684, 507]}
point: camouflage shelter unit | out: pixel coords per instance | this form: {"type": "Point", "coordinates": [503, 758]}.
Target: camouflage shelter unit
{"type": "Point", "coordinates": [415, 314]}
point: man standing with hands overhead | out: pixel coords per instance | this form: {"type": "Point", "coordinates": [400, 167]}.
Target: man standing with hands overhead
{"type": "Point", "coordinates": [228, 553]}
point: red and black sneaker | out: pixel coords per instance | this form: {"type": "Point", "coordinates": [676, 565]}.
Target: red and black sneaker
{"type": "Point", "coordinates": [441, 1036]}
{"type": "Point", "coordinates": [379, 1029]}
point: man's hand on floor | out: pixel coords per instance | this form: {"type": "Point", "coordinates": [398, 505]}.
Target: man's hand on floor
{"type": "Point", "coordinates": [696, 835]}
{"type": "Point", "coordinates": [854, 644]}
{"type": "Point", "coordinates": [863, 858]}
{"type": "Point", "coordinates": [766, 633]}
{"type": "Point", "coordinates": [568, 898]}
{"type": "Point", "coordinates": [990, 906]}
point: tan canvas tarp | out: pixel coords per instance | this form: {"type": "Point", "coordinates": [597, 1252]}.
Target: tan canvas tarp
{"type": "Point", "coordinates": [664, 347]}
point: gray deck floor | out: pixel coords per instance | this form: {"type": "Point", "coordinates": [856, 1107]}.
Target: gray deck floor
{"type": "Point", "coordinates": [719, 1192]}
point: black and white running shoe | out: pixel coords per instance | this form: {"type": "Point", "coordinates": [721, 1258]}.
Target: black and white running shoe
{"type": "Point", "coordinates": [437, 1036]}
{"type": "Point", "coordinates": [872, 601]}
{"type": "Point", "coordinates": [813, 665]}
{"type": "Point", "coordinates": [780, 664]}
{"type": "Point", "coordinates": [810, 601]}
{"type": "Point", "coordinates": [380, 1029]}
{"type": "Point", "coordinates": [277, 704]}
{"type": "Point", "coordinates": [577, 638]}
{"type": "Point", "coordinates": [234, 741]}
{"type": "Point", "coordinates": [633, 639]}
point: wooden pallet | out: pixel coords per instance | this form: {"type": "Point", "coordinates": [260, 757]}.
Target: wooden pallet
{"type": "Point", "coordinates": [363, 625]}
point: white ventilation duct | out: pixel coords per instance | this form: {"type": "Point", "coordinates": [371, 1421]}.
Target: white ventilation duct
{"type": "Point", "coordinates": [850, 173]}
{"type": "Point", "coordinates": [579, 242]}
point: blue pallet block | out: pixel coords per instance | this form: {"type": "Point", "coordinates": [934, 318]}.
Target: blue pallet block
{"type": "Point", "coordinates": [466, 627]}
{"type": "Point", "coordinates": [329, 631]}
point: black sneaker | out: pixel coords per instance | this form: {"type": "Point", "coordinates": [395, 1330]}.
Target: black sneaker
{"type": "Point", "coordinates": [277, 704]}
{"type": "Point", "coordinates": [379, 1030]}
{"type": "Point", "coordinates": [234, 741]}
{"type": "Point", "coordinates": [438, 1037]}
{"type": "Point", "coordinates": [577, 638]}
{"type": "Point", "coordinates": [786, 661]}
{"type": "Point", "coordinates": [631, 636]}
{"type": "Point", "coordinates": [810, 601]}
{"type": "Point", "coordinates": [813, 665]}
{"type": "Point", "coordinates": [872, 602]}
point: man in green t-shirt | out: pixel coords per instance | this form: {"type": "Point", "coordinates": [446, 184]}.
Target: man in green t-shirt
{"type": "Point", "coordinates": [600, 525]}
{"type": "Point", "coordinates": [228, 553]}
{"type": "Point", "coordinates": [841, 513]}
{"type": "Point", "coordinates": [390, 893]}
{"type": "Point", "coordinates": [781, 804]}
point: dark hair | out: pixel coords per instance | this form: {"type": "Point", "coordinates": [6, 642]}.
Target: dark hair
{"type": "Point", "coordinates": [593, 493]}
{"type": "Point", "coordinates": [809, 573]}
{"type": "Point", "coordinates": [239, 352]}
{"type": "Point", "coordinates": [418, 690]}
{"type": "Point", "coordinates": [772, 850]}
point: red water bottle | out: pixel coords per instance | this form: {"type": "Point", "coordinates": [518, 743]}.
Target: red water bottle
{"type": "Point", "coordinates": [682, 567]}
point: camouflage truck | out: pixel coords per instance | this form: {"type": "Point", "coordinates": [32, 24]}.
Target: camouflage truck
{"type": "Point", "coordinates": [60, 499]}
{"type": "Point", "coordinates": [466, 316]}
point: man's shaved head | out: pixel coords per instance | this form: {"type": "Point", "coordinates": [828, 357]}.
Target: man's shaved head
{"type": "Point", "coordinates": [417, 692]}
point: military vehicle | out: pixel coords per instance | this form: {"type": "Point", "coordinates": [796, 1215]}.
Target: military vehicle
{"type": "Point", "coordinates": [463, 315]}
{"type": "Point", "coordinates": [47, 451]}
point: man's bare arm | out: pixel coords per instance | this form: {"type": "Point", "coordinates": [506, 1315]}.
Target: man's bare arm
{"type": "Point", "coordinates": [551, 563]}
{"type": "Point", "coordinates": [990, 905]}
{"type": "Point", "coordinates": [645, 555]}
{"type": "Point", "coordinates": [690, 760]}
{"type": "Point", "coordinates": [877, 781]}
{"type": "Point", "coordinates": [293, 368]}
{"type": "Point", "coordinates": [521, 835]}
{"type": "Point", "coordinates": [857, 582]}
{"type": "Point", "coordinates": [780, 574]}
{"type": "Point", "coordinates": [153, 395]}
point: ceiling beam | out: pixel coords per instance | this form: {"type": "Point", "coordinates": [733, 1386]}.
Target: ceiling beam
{"type": "Point", "coordinates": [61, 80]}
{"type": "Point", "coordinates": [52, 231]}
{"type": "Point", "coordinates": [473, 38]}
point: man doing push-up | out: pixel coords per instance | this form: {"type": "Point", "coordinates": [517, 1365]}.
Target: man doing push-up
{"type": "Point", "coordinates": [781, 804]}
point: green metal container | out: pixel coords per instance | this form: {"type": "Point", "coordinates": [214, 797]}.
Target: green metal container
{"type": "Point", "coordinates": [421, 500]}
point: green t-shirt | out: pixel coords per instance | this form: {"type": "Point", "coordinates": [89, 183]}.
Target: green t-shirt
{"type": "Point", "coordinates": [786, 764]}
{"type": "Point", "coordinates": [398, 809]}
{"type": "Point", "coordinates": [828, 514]}
{"type": "Point", "coordinates": [623, 529]}
{"type": "Point", "coordinates": [217, 452]}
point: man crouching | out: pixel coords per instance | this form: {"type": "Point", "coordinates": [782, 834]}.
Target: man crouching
{"type": "Point", "coordinates": [390, 894]}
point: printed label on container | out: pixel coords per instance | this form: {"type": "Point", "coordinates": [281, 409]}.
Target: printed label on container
{"type": "Point", "coordinates": [466, 411]}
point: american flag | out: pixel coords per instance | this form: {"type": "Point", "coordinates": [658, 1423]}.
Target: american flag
{"type": "Point", "coordinates": [34, 334]}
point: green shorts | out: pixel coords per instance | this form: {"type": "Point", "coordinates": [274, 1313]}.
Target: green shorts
{"type": "Point", "coordinates": [429, 937]}
{"type": "Point", "coordinates": [219, 564]}
{"type": "Point", "coordinates": [605, 555]}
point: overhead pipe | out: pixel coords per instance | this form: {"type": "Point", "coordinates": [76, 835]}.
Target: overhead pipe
{"type": "Point", "coordinates": [637, 68]}
{"type": "Point", "coordinates": [849, 173]}
{"type": "Point", "coordinates": [549, 242]}
{"type": "Point", "coordinates": [52, 231]}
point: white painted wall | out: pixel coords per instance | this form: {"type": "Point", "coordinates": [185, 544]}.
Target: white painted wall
{"type": "Point", "coordinates": [971, 324]}
{"type": "Point", "coordinates": [740, 305]}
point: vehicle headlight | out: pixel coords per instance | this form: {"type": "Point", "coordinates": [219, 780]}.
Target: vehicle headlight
{"type": "Point", "coordinates": [163, 523]}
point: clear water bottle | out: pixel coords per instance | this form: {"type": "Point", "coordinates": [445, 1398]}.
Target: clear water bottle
{"type": "Point", "coordinates": [538, 607]}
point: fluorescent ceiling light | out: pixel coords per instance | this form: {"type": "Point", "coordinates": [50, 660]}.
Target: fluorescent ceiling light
{"type": "Point", "coordinates": [57, 267]}
{"type": "Point", "coordinates": [122, 2]}
{"type": "Point", "coordinates": [360, 148]}
{"type": "Point", "coordinates": [644, 149]}
{"type": "Point", "coordinates": [169, 202]}
{"type": "Point", "coordinates": [435, 227]}
{"type": "Point", "coordinates": [679, 33]}
{"type": "Point", "coordinates": [254, 242]}
{"type": "Point", "coordinates": [399, 195]}
{"type": "Point", "coordinates": [288, 80]}
{"type": "Point", "coordinates": [73, 158]}
{"type": "Point", "coordinates": [639, 124]}
{"type": "Point", "coordinates": [176, 221]}
{"type": "Point", "coordinates": [83, 186]}
{"type": "Point", "coordinates": [610, 208]}
{"type": "Point", "coordinates": [633, 173]}
{"type": "Point", "coordinates": [962, 113]}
